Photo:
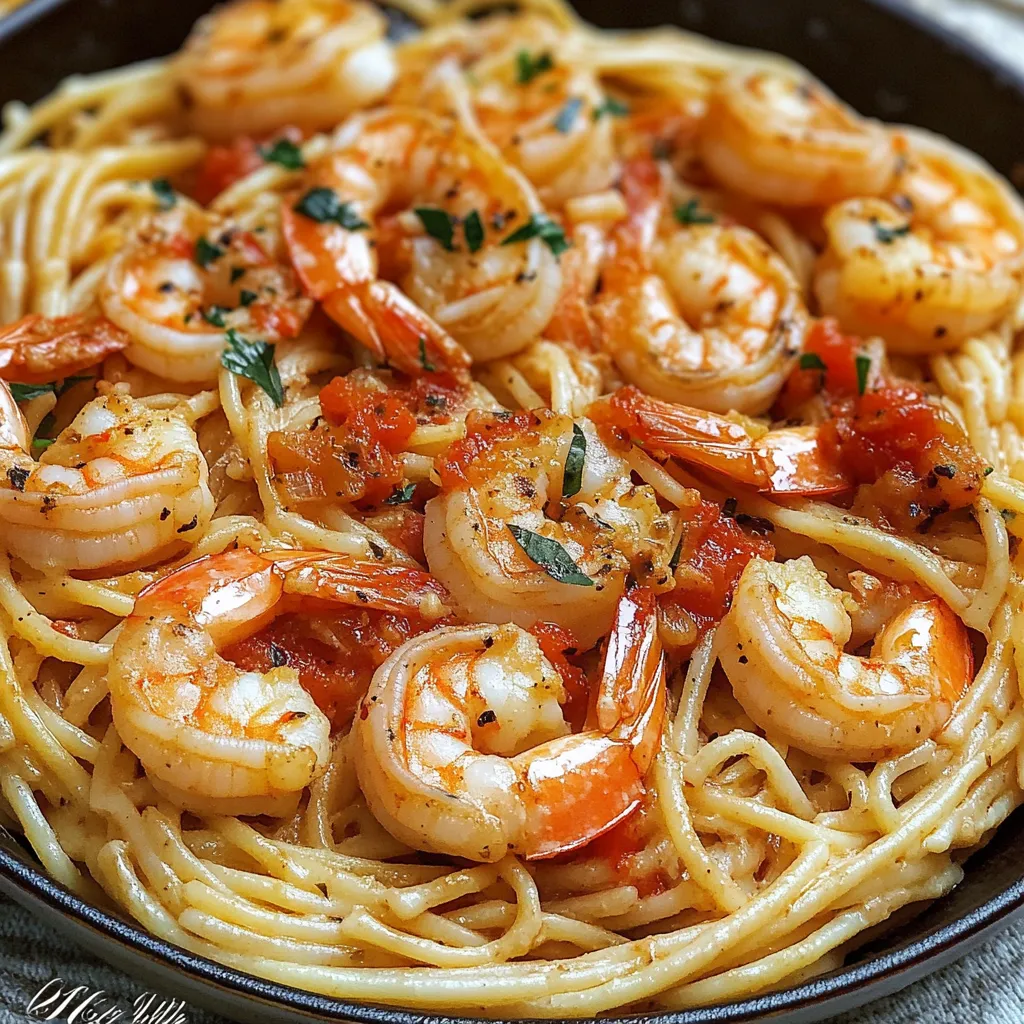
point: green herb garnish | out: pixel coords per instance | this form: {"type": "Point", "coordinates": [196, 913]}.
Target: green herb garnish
{"type": "Point", "coordinates": [691, 213]}
{"type": "Point", "coordinates": [324, 206]}
{"type": "Point", "coordinates": [424, 358]}
{"type": "Point", "coordinates": [438, 224]}
{"type": "Point", "coordinates": [253, 360]}
{"type": "Point", "coordinates": [812, 361]}
{"type": "Point", "coordinates": [246, 297]}
{"type": "Point", "coordinates": [863, 364]}
{"type": "Point", "coordinates": [214, 315]}
{"type": "Point", "coordinates": [572, 478]}
{"type": "Point", "coordinates": [401, 495]}
{"type": "Point", "coordinates": [541, 226]}
{"type": "Point", "coordinates": [529, 67]}
{"type": "Point", "coordinates": [889, 235]}
{"type": "Point", "coordinates": [284, 153]}
{"type": "Point", "coordinates": [473, 230]}
{"type": "Point", "coordinates": [207, 253]}
{"type": "Point", "coordinates": [550, 556]}
{"type": "Point", "coordinates": [568, 114]}
{"type": "Point", "coordinates": [612, 107]}
{"type": "Point", "coordinates": [166, 197]}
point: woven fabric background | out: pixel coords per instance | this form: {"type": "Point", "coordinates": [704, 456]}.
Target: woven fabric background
{"type": "Point", "coordinates": [985, 988]}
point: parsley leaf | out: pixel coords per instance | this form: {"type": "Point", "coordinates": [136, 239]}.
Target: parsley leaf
{"type": "Point", "coordinates": [673, 562]}
{"type": "Point", "coordinates": [812, 361]}
{"type": "Point", "coordinates": [26, 392]}
{"type": "Point", "coordinates": [284, 153]}
{"type": "Point", "coordinates": [207, 253]}
{"type": "Point", "coordinates": [550, 556]}
{"type": "Point", "coordinates": [572, 478]}
{"type": "Point", "coordinates": [541, 226]}
{"type": "Point", "coordinates": [863, 364]}
{"type": "Point", "coordinates": [164, 191]}
{"type": "Point", "coordinates": [438, 224]}
{"type": "Point", "coordinates": [529, 67]}
{"type": "Point", "coordinates": [401, 495]}
{"type": "Point", "coordinates": [691, 213]}
{"type": "Point", "coordinates": [324, 206]}
{"type": "Point", "coordinates": [236, 273]}
{"type": "Point", "coordinates": [246, 297]}
{"type": "Point", "coordinates": [43, 442]}
{"type": "Point", "coordinates": [253, 360]}
{"type": "Point", "coordinates": [889, 235]}
{"type": "Point", "coordinates": [214, 315]}
{"type": "Point", "coordinates": [473, 229]}
{"type": "Point", "coordinates": [612, 107]}
{"type": "Point", "coordinates": [568, 114]}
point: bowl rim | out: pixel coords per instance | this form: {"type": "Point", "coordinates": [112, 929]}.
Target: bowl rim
{"type": "Point", "coordinates": [23, 880]}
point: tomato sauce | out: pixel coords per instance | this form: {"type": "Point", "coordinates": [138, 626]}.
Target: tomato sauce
{"type": "Point", "coordinates": [557, 644]}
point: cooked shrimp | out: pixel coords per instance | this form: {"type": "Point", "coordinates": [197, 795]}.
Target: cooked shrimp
{"type": "Point", "coordinates": [253, 65]}
{"type": "Point", "coordinates": [705, 314]}
{"type": "Point", "coordinates": [211, 736]}
{"type": "Point", "coordinates": [544, 114]}
{"type": "Point", "coordinates": [461, 747]}
{"type": "Point", "coordinates": [184, 279]}
{"type": "Point", "coordinates": [492, 298]}
{"type": "Point", "coordinates": [782, 647]}
{"type": "Point", "coordinates": [935, 262]}
{"type": "Point", "coordinates": [518, 535]}
{"type": "Point", "coordinates": [123, 485]}
{"type": "Point", "coordinates": [781, 139]}
{"type": "Point", "coordinates": [784, 460]}
{"type": "Point", "coordinates": [39, 349]}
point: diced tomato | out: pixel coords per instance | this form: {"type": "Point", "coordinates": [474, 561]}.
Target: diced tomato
{"type": "Point", "coordinates": [715, 551]}
{"type": "Point", "coordinates": [223, 165]}
{"type": "Point", "coordinates": [335, 657]}
{"type": "Point", "coordinates": [619, 846]}
{"type": "Point", "coordinates": [485, 432]}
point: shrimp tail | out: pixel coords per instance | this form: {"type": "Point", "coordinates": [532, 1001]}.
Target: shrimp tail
{"type": "Point", "coordinates": [38, 349]}
{"type": "Point", "coordinates": [394, 329]}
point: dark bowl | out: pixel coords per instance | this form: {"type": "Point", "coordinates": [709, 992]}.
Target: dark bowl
{"type": "Point", "coordinates": [884, 61]}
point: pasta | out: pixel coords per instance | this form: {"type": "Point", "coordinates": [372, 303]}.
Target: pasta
{"type": "Point", "coordinates": [516, 519]}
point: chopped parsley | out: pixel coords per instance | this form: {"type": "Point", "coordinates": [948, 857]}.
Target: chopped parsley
{"type": "Point", "coordinates": [438, 224]}
{"type": "Point", "coordinates": [529, 67]}
{"type": "Point", "coordinates": [567, 115]}
{"type": "Point", "coordinates": [324, 206]}
{"type": "Point", "coordinates": [246, 297]}
{"type": "Point", "coordinates": [572, 478]}
{"type": "Point", "coordinates": [401, 495]}
{"type": "Point", "coordinates": [473, 230]}
{"type": "Point", "coordinates": [541, 226]}
{"type": "Point", "coordinates": [691, 213]}
{"type": "Point", "coordinates": [812, 361]}
{"type": "Point", "coordinates": [284, 153]}
{"type": "Point", "coordinates": [26, 392]}
{"type": "Point", "coordinates": [610, 107]}
{"type": "Point", "coordinates": [207, 253]}
{"type": "Point", "coordinates": [889, 235]}
{"type": "Point", "coordinates": [214, 315]}
{"type": "Point", "coordinates": [236, 273]}
{"type": "Point", "coordinates": [550, 556]}
{"type": "Point", "coordinates": [166, 197]}
{"type": "Point", "coordinates": [253, 360]}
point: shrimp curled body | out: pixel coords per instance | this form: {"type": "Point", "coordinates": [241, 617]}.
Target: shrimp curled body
{"type": "Point", "coordinates": [462, 749]}
{"type": "Point", "coordinates": [782, 647]}
{"type": "Point", "coordinates": [213, 737]}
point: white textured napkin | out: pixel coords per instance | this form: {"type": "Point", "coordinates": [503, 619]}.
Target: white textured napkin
{"type": "Point", "coordinates": [987, 987]}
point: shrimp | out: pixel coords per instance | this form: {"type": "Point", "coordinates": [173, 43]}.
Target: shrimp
{"type": "Point", "coordinates": [705, 314]}
{"type": "Point", "coordinates": [213, 737]}
{"type": "Point", "coordinates": [39, 349]}
{"type": "Point", "coordinates": [780, 139]}
{"type": "Point", "coordinates": [538, 520]}
{"type": "Point", "coordinates": [122, 486]}
{"type": "Point", "coordinates": [782, 647]}
{"type": "Point", "coordinates": [463, 283]}
{"type": "Point", "coordinates": [253, 65]}
{"type": "Point", "coordinates": [780, 461]}
{"type": "Point", "coordinates": [545, 115]}
{"type": "Point", "coordinates": [937, 261]}
{"type": "Point", "coordinates": [184, 279]}
{"type": "Point", "coordinates": [461, 747]}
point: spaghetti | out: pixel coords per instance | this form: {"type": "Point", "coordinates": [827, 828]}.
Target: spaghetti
{"type": "Point", "coordinates": [517, 521]}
